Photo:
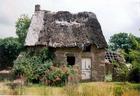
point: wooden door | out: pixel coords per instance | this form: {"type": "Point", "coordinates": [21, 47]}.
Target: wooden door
{"type": "Point", "coordinates": [86, 68]}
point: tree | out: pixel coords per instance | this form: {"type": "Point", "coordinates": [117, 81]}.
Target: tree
{"type": "Point", "coordinates": [11, 47]}
{"type": "Point", "coordinates": [134, 54]}
{"type": "Point", "coordinates": [22, 26]}
{"type": "Point", "coordinates": [130, 45]}
{"type": "Point", "coordinates": [120, 41]}
{"type": "Point", "coordinates": [124, 41]}
{"type": "Point", "coordinates": [9, 50]}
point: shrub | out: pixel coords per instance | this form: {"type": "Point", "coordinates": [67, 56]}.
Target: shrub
{"type": "Point", "coordinates": [55, 76]}
{"type": "Point", "coordinates": [38, 67]}
{"type": "Point", "coordinates": [120, 72]}
{"type": "Point", "coordinates": [108, 77]}
{"type": "Point", "coordinates": [9, 50]}
{"type": "Point", "coordinates": [134, 75]}
{"type": "Point", "coordinates": [58, 76]}
{"type": "Point", "coordinates": [45, 55]}
{"type": "Point", "coordinates": [30, 67]}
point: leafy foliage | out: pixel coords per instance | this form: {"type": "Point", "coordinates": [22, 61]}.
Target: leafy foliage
{"type": "Point", "coordinates": [130, 46]}
{"type": "Point", "coordinates": [45, 54]}
{"type": "Point", "coordinates": [9, 50]}
{"type": "Point", "coordinates": [30, 65]}
{"type": "Point", "coordinates": [134, 75]}
{"type": "Point", "coordinates": [38, 67]}
{"type": "Point", "coordinates": [120, 41]}
{"type": "Point", "coordinates": [120, 72]}
{"type": "Point", "coordinates": [22, 26]}
{"type": "Point", "coordinates": [108, 77]}
{"type": "Point", "coordinates": [134, 54]}
{"type": "Point", "coordinates": [11, 47]}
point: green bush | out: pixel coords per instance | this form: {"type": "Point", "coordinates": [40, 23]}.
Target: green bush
{"type": "Point", "coordinates": [108, 77]}
{"type": "Point", "coordinates": [55, 76]}
{"type": "Point", "coordinates": [120, 72]}
{"type": "Point", "coordinates": [58, 76]}
{"type": "Point", "coordinates": [134, 75]}
{"type": "Point", "coordinates": [37, 67]}
{"type": "Point", "coordinates": [30, 66]}
{"type": "Point", "coordinates": [46, 55]}
{"type": "Point", "coordinates": [9, 50]}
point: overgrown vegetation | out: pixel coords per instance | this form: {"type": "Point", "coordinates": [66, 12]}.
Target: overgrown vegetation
{"type": "Point", "coordinates": [120, 72]}
{"type": "Point", "coordinates": [9, 50]}
{"type": "Point", "coordinates": [82, 89]}
{"type": "Point", "coordinates": [11, 47]}
{"type": "Point", "coordinates": [130, 48]}
{"type": "Point", "coordinates": [22, 25]}
{"type": "Point", "coordinates": [37, 67]}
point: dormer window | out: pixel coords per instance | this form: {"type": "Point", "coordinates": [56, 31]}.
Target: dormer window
{"type": "Point", "coordinates": [87, 48]}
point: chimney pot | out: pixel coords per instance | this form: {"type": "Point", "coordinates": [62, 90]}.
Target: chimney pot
{"type": "Point", "coordinates": [37, 7]}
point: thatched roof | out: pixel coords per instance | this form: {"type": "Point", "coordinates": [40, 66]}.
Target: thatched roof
{"type": "Point", "coordinates": [64, 29]}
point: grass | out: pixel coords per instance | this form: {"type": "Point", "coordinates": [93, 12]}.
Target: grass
{"type": "Point", "coordinates": [82, 89]}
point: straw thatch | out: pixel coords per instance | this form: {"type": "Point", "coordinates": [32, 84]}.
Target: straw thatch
{"type": "Point", "coordinates": [64, 29]}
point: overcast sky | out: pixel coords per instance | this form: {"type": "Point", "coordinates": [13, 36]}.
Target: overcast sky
{"type": "Point", "coordinates": [114, 15]}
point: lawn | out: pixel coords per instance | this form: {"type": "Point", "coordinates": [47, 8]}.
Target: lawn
{"type": "Point", "coordinates": [81, 89]}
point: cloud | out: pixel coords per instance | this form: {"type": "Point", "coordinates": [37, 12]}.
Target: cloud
{"type": "Point", "coordinates": [4, 20]}
{"type": "Point", "coordinates": [114, 15]}
{"type": "Point", "coordinates": [7, 31]}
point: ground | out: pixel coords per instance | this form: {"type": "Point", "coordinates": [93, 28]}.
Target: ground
{"type": "Point", "coordinates": [16, 87]}
{"type": "Point", "coordinates": [81, 89]}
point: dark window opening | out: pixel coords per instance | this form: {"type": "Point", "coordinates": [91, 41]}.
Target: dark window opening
{"type": "Point", "coordinates": [71, 60]}
{"type": "Point", "coordinates": [87, 48]}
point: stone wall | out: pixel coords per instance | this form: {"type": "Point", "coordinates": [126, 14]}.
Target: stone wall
{"type": "Point", "coordinates": [62, 53]}
{"type": "Point", "coordinates": [98, 64]}
{"type": "Point", "coordinates": [97, 59]}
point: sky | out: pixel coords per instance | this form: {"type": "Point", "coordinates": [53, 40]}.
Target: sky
{"type": "Point", "coordinates": [114, 15]}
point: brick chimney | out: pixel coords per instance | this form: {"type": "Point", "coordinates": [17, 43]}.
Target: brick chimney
{"type": "Point", "coordinates": [37, 7]}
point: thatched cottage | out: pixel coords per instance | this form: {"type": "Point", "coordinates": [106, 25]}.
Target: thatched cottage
{"type": "Point", "coordinates": [75, 39]}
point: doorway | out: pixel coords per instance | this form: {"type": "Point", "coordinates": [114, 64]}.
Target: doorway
{"type": "Point", "coordinates": [86, 68]}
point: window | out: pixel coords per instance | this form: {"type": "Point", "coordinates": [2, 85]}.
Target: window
{"type": "Point", "coordinates": [71, 60]}
{"type": "Point", "coordinates": [87, 48]}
